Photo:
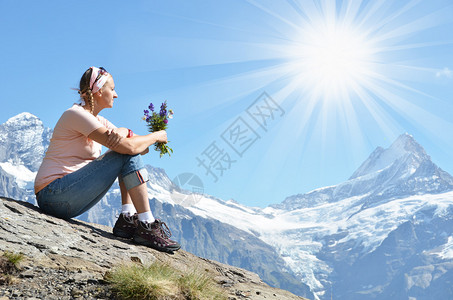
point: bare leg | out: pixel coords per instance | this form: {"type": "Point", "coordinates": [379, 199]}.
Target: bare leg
{"type": "Point", "coordinates": [139, 196]}
{"type": "Point", "coordinates": [125, 197]}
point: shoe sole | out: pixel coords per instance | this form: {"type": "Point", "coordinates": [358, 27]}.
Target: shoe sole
{"type": "Point", "coordinates": [144, 242]}
{"type": "Point", "coordinates": [122, 234]}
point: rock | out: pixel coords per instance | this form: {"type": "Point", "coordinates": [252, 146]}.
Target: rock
{"type": "Point", "coordinates": [68, 259]}
{"type": "Point", "coordinates": [76, 293]}
{"type": "Point", "coordinates": [27, 274]}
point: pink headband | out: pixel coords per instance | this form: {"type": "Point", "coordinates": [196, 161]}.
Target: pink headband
{"type": "Point", "coordinates": [95, 85]}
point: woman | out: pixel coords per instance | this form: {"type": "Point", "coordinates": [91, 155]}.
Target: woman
{"type": "Point", "coordinates": [73, 176]}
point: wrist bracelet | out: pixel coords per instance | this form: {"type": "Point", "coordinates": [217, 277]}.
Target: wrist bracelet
{"type": "Point", "coordinates": [130, 134]}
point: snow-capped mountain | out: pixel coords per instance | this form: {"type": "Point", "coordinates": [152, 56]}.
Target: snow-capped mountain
{"type": "Point", "coordinates": [23, 141]}
{"type": "Point", "coordinates": [385, 233]}
{"type": "Point", "coordinates": [401, 170]}
{"type": "Point", "coordinates": [328, 236]}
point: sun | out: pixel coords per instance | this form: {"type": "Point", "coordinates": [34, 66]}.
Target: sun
{"type": "Point", "coordinates": [333, 58]}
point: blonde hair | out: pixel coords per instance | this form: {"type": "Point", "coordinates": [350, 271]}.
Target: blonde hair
{"type": "Point", "coordinates": [85, 90]}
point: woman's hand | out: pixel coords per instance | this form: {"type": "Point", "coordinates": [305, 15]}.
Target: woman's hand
{"type": "Point", "coordinates": [114, 138]}
{"type": "Point", "coordinates": [161, 136]}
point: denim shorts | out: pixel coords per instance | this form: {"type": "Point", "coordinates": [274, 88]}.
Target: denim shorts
{"type": "Point", "coordinates": [75, 193]}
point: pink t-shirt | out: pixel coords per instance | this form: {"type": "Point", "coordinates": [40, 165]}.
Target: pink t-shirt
{"type": "Point", "coordinates": [70, 148]}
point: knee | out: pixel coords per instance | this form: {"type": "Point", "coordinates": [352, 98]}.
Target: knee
{"type": "Point", "coordinates": [126, 158]}
{"type": "Point", "coordinates": [135, 161]}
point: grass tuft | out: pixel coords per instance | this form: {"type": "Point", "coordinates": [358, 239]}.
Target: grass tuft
{"type": "Point", "coordinates": [9, 265]}
{"type": "Point", "coordinates": [199, 286]}
{"type": "Point", "coordinates": [161, 282]}
{"type": "Point", "coordinates": [14, 258]}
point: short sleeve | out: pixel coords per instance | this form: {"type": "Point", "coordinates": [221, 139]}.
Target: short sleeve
{"type": "Point", "coordinates": [106, 122]}
{"type": "Point", "coordinates": [80, 120]}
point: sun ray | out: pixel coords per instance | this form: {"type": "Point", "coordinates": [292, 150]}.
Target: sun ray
{"type": "Point", "coordinates": [399, 47]}
{"type": "Point", "coordinates": [273, 14]}
{"type": "Point", "coordinates": [423, 23]}
{"type": "Point", "coordinates": [377, 17]}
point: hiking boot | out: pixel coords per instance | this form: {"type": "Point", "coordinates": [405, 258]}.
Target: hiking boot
{"type": "Point", "coordinates": [125, 226]}
{"type": "Point", "coordinates": [155, 235]}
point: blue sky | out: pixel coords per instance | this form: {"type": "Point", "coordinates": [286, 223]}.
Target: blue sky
{"type": "Point", "coordinates": [275, 98]}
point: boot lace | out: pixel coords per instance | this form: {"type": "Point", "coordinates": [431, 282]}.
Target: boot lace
{"type": "Point", "coordinates": [163, 228]}
{"type": "Point", "coordinates": [160, 227]}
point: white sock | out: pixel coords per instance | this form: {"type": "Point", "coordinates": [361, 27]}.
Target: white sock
{"type": "Point", "coordinates": [146, 217]}
{"type": "Point", "coordinates": [128, 210]}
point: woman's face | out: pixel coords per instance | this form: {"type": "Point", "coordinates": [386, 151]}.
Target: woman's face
{"type": "Point", "coordinates": [106, 94]}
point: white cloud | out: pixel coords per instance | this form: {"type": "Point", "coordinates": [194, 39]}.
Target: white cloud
{"type": "Point", "coordinates": [445, 72]}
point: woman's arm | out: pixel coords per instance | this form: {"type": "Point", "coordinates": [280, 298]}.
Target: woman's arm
{"type": "Point", "coordinates": [115, 136]}
{"type": "Point", "coordinates": [133, 145]}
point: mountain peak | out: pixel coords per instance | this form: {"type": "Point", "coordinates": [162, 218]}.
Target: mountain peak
{"type": "Point", "coordinates": [23, 141]}
{"type": "Point", "coordinates": [401, 170]}
{"type": "Point", "coordinates": [23, 117]}
{"type": "Point", "coordinates": [406, 143]}
{"type": "Point", "coordinates": [404, 146]}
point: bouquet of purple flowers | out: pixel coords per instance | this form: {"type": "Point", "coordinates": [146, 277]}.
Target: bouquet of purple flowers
{"type": "Point", "coordinates": [159, 121]}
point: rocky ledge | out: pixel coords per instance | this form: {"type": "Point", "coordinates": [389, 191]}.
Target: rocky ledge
{"type": "Point", "coordinates": [68, 259]}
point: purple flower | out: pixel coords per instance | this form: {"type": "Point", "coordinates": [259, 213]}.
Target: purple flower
{"type": "Point", "coordinates": [166, 121]}
{"type": "Point", "coordinates": [163, 110]}
{"type": "Point", "coordinates": [146, 111]}
{"type": "Point", "coordinates": [151, 107]}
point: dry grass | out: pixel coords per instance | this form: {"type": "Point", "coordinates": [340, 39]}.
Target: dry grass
{"type": "Point", "coordinates": [161, 282]}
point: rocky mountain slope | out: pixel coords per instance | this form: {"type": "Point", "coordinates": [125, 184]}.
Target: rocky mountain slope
{"type": "Point", "coordinates": [69, 259]}
{"type": "Point", "coordinates": [204, 237]}
{"type": "Point", "coordinates": [209, 238]}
